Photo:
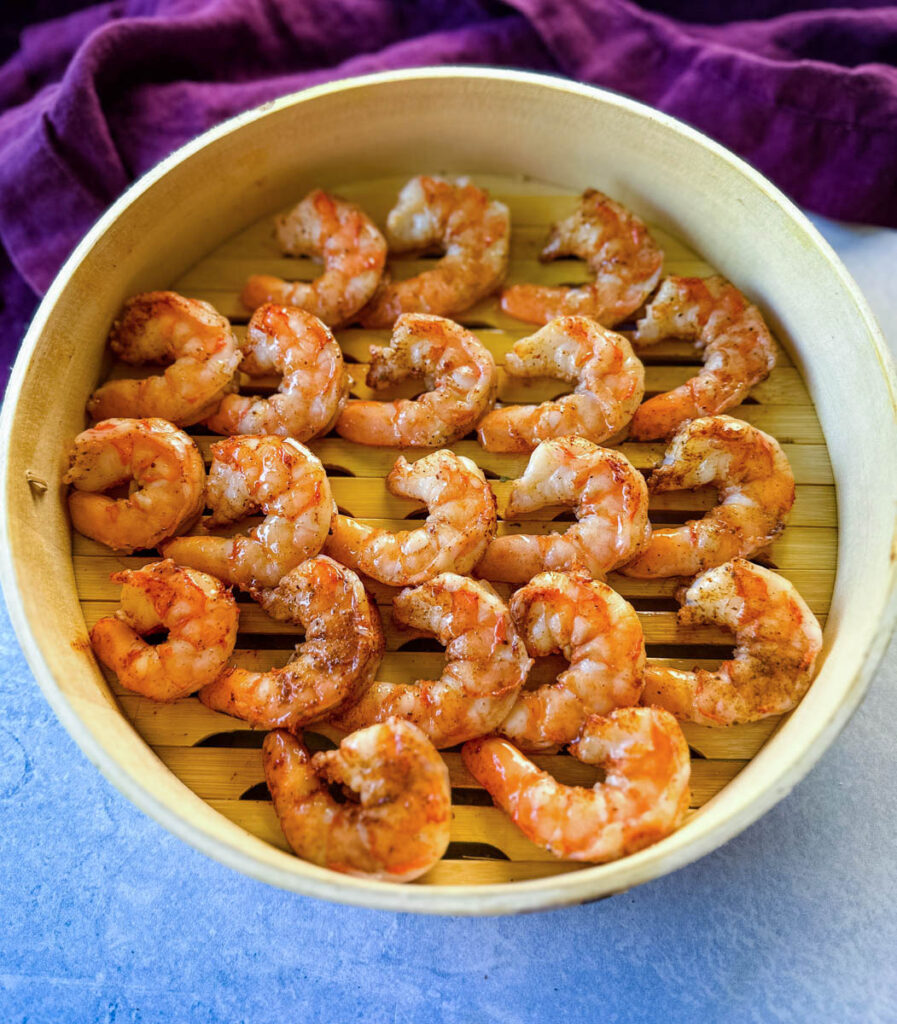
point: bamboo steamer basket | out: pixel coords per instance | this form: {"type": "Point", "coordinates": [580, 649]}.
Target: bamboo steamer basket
{"type": "Point", "coordinates": [479, 122]}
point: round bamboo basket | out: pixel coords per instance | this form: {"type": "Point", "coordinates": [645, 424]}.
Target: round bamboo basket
{"type": "Point", "coordinates": [200, 222]}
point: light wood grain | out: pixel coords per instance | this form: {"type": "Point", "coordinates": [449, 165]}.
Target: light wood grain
{"type": "Point", "coordinates": [222, 773]}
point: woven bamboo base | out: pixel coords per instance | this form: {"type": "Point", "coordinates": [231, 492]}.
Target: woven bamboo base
{"type": "Point", "coordinates": [218, 757]}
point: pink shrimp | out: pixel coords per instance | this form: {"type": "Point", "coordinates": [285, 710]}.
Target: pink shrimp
{"type": "Point", "coordinates": [643, 798]}
{"type": "Point", "coordinates": [620, 253]}
{"type": "Point", "coordinates": [472, 230]}
{"type": "Point", "coordinates": [353, 251]}
{"type": "Point", "coordinates": [778, 640]}
{"type": "Point", "coordinates": [610, 382]}
{"type": "Point", "coordinates": [282, 339]}
{"type": "Point", "coordinates": [737, 347]}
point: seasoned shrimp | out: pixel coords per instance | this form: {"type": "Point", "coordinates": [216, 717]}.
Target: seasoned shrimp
{"type": "Point", "coordinates": [274, 475]}
{"type": "Point", "coordinates": [609, 498]}
{"type": "Point", "coordinates": [620, 253]}
{"type": "Point", "coordinates": [756, 489]}
{"type": "Point", "coordinates": [395, 824]}
{"type": "Point", "coordinates": [200, 615]}
{"type": "Point", "coordinates": [610, 383]}
{"type": "Point", "coordinates": [643, 798]}
{"type": "Point", "coordinates": [486, 664]}
{"type": "Point", "coordinates": [167, 478]}
{"type": "Point", "coordinates": [459, 527]}
{"type": "Point", "coordinates": [289, 341]}
{"type": "Point", "coordinates": [459, 218]}
{"type": "Point", "coordinates": [453, 363]}
{"type": "Point", "coordinates": [598, 633]}
{"type": "Point", "coordinates": [336, 662]}
{"type": "Point", "coordinates": [352, 249]}
{"type": "Point", "coordinates": [738, 350]}
{"type": "Point", "coordinates": [164, 327]}
{"type": "Point", "coordinates": [777, 636]}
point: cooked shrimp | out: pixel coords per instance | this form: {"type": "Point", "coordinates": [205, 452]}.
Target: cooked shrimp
{"type": "Point", "coordinates": [620, 253]}
{"type": "Point", "coordinates": [609, 498]}
{"type": "Point", "coordinates": [460, 524]}
{"type": "Point", "coordinates": [458, 218]}
{"type": "Point", "coordinates": [274, 475]}
{"type": "Point", "coordinates": [458, 369]}
{"type": "Point", "coordinates": [200, 615]}
{"type": "Point", "coordinates": [164, 327]}
{"type": "Point", "coordinates": [352, 249]}
{"type": "Point", "coordinates": [598, 633]}
{"type": "Point", "coordinates": [395, 824]}
{"type": "Point", "coordinates": [756, 489]}
{"type": "Point", "coordinates": [738, 350]}
{"type": "Point", "coordinates": [336, 662]}
{"type": "Point", "coordinates": [486, 664]}
{"type": "Point", "coordinates": [167, 479]}
{"type": "Point", "coordinates": [777, 636]}
{"type": "Point", "coordinates": [610, 382]}
{"type": "Point", "coordinates": [289, 341]}
{"type": "Point", "coordinates": [643, 798]}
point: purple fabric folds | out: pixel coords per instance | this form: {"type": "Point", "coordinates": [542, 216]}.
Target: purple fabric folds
{"type": "Point", "coordinates": [92, 100]}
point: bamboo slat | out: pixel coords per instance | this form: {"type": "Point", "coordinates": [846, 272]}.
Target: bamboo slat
{"type": "Point", "coordinates": [218, 757]}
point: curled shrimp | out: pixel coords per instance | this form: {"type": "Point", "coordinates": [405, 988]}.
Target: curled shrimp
{"type": "Point", "coordinates": [335, 663]}
{"type": "Point", "coordinates": [778, 640]}
{"type": "Point", "coordinates": [164, 327]}
{"type": "Point", "coordinates": [201, 617]}
{"type": "Point", "coordinates": [619, 251]}
{"type": "Point", "coordinates": [609, 377]}
{"type": "Point", "coordinates": [598, 633]}
{"type": "Point", "coordinates": [756, 489]}
{"type": "Point", "coordinates": [352, 249]}
{"type": "Point", "coordinates": [296, 344]}
{"type": "Point", "coordinates": [486, 664]}
{"type": "Point", "coordinates": [458, 369]}
{"type": "Point", "coordinates": [643, 798]}
{"type": "Point", "coordinates": [164, 468]}
{"type": "Point", "coordinates": [460, 524]}
{"type": "Point", "coordinates": [738, 350]}
{"type": "Point", "coordinates": [395, 824]}
{"type": "Point", "coordinates": [472, 230]}
{"type": "Point", "coordinates": [609, 498]}
{"type": "Point", "coordinates": [274, 475]}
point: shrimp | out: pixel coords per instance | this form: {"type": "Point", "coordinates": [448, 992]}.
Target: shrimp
{"type": "Point", "coordinates": [397, 820]}
{"type": "Point", "coordinates": [453, 363]}
{"type": "Point", "coordinates": [274, 475]}
{"type": "Point", "coordinates": [281, 339]}
{"type": "Point", "coordinates": [738, 350]}
{"type": "Point", "coordinates": [778, 640]}
{"type": "Point", "coordinates": [334, 665]}
{"type": "Point", "coordinates": [460, 219]}
{"type": "Point", "coordinates": [457, 531]}
{"type": "Point", "coordinates": [167, 479]}
{"type": "Point", "coordinates": [619, 251]}
{"type": "Point", "coordinates": [164, 327]}
{"type": "Point", "coordinates": [643, 798]}
{"type": "Point", "coordinates": [756, 489]}
{"type": "Point", "coordinates": [610, 383]}
{"type": "Point", "coordinates": [486, 664]}
{"type": "Point", "coordinates": [609, 498]}
{"type": "Point", "coordinates": [201, 617]}
{"type": "Point", "coordinates": [598, 633]}
{"type": "Point", "coordinates": [352, 249]}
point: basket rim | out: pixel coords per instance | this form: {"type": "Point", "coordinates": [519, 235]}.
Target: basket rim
{"type": "Point", "coordinates": [588, 883]}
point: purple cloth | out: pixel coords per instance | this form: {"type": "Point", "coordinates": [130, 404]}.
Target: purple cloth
{"type": "Point", "coordinates": [92, 100]}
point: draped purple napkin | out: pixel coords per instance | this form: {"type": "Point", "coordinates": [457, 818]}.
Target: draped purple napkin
{"type": "Point", "coordinates": [92, 100]}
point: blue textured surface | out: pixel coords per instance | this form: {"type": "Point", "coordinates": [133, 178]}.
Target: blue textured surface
{"type": "Point", "coordinates": [106, 917]}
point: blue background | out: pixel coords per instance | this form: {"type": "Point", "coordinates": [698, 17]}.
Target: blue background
{"type": "Point", "coordinates": [106, 917]}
